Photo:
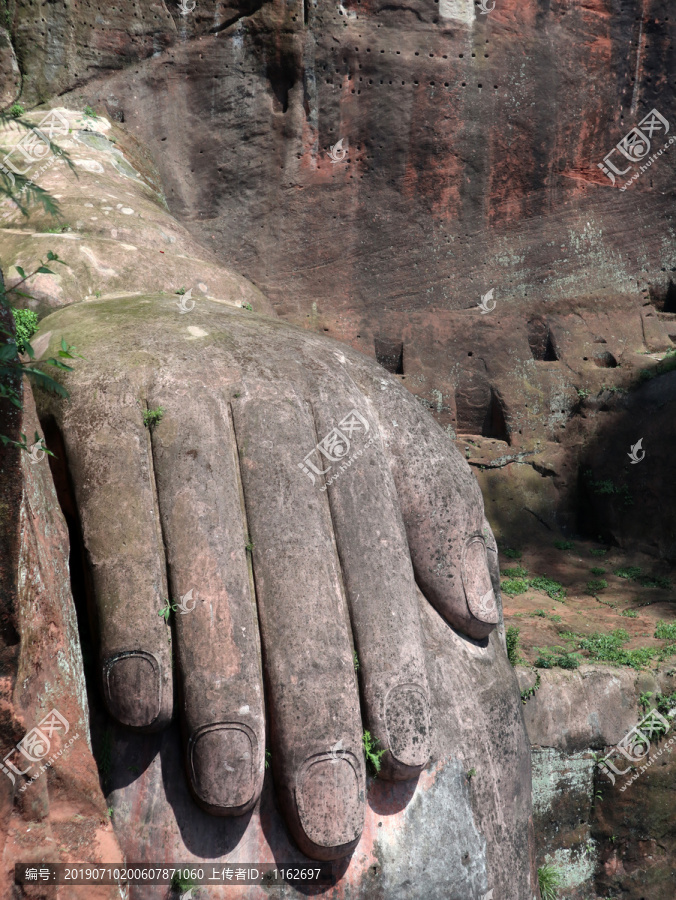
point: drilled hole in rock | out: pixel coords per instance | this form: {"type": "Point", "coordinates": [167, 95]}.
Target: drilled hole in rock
{"type": "Point", "coordinates": [390, 355]}
{"type": "Point", "coordinates": [540, 340]}
{"type": "Point", "coordinates": [605, 361]}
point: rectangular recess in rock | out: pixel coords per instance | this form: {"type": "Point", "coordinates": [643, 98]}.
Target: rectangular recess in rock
{"type": "Point", "coordinates": [390, 355]}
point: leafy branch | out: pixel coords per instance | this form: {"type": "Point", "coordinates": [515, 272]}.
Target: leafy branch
{"type": "Point", "coordinates": [12, 366]}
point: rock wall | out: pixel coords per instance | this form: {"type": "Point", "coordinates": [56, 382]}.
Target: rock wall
{"type": "Point", "coordinates": [602, 839]}
{"type": "Point", "coordinates": [56, 812]}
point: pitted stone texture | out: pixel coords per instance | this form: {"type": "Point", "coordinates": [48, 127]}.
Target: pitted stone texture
{"type": "Point", "coordinates": [114, 233]}
{"type": "Point", "coordinates": [61, 816]}
{"type": "Point", "coordinates": [10, 76]}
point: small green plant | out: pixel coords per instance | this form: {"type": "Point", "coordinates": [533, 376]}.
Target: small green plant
{"type": "Point", "coordinates": [665, 703]}
{"type": "Point", "coordinates": [26, 324]}
{"type": "Point", "coordinates": [598, 570]}
{"type": "Point", "coordinates": [511, 553]}
{"type": "Point", "coordinates": [88, 111]}
{"type": "Point", "coordinates": [247, 306]}
{"type": "Point", "coordinates": [541, 613]}
{"type": "Point", "coordinates": [556, 656]}
{"type": "Point", "coordinates": [527, 693]}
{"type": "Point", "coordinates": [629, 613]}
{"type": "Point", "coordinates": [268, 758]}
{"type": "Point", "coordinates": [514, 586]}
{"type": "Point", "coordinates": [16, 110]}
{"type": "Point", "coordinates": [11, 366]}
{"type": "Point", "coordinates": [583, 393]}
{"type": "Point", "coordinates": [165, 612]}
{"type": "Point", "coordinates": [249, 546]}
{"type": "Point", "coordinates": [181, 291]}
{"type": "Point", "coordinates": [552, 588]}
{"type": "Point", "coordinates": [608, 487]}
{"type": "Point", "coordinates": [644, 700]}
{"type": "Point", "coordinates": [599, 551]}
{"type": "Point", "coordinates": [665, 631]}
{"type": "Point", "coordinates": [372, 755]}
{"type": "Point", "coordinates": [471, 774]}
{"type": "Point", "coordinates": [355, 660]}
{"type": "Point", "coordinates": [654, 581]}
{"type": "Point", "coordinates": [109, 812]}
{"type": "Point", "coordinates": [610, 648]}
{"type": "Point", "coordinates": [152, 417]}
{"type": "Point", "coordinates": [628, 572]}
{"type": "Point", "coordinates": [596, 585]}
{"type": "Point", "coordinates": [564, 545]}
{"type": "Point", "coordinates": [181, 881]}
{"type": "Point", "coordinates": [515, 572]}
{"type": "Point", "coordinates": [512, 641]}
{"type": "Point", "coordinates": [549, 882]}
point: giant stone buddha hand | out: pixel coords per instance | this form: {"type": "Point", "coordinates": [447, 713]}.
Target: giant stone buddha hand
{"type": "Point", "coordinates": [299, 496]}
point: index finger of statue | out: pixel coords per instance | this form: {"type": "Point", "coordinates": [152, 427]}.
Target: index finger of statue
{"type": "Point", "coordinates": [111, 467]}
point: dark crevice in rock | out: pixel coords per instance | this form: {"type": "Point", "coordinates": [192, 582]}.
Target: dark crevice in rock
{"type": "Point", "coordinates": [539, 518]}
{"type": "Point", "coordinates": [494, 425]}
{"type": "Point", "coordinates": [390, 355]}
{"type": "Point", "coordinates": [80, 574]}
{"type": "Point", "coordinates": [540, 340]}
{"type": "Point", "coordinates": [228, 22]}
{"type": "Point", "coordinates": [282, 77]}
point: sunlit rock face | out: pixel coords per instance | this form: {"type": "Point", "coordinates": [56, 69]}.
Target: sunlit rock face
{"type": "Point", "coordinates": [474, 150]}
{"type": "Point", "coordinates": [114, 291]}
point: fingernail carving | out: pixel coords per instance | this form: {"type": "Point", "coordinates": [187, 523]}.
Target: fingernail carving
{"type": "Point", "coordinates": [222, 765]}
{"type": "Point", "coordinates": [407, 720]}
{"type": "Point", "coordinates": [330, 799]}
{"type": "Point", "coordinates": [476, 580]}
{"type": "Point", "coordinates": [132, 687]}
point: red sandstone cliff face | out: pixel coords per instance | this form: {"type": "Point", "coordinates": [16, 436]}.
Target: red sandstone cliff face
{"type": "Point", "coordinates": [59, 816]}
{"type": "Point", "coordinates": [473, 143]}
{"type": "Point", "coordinates": [473, 149]}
